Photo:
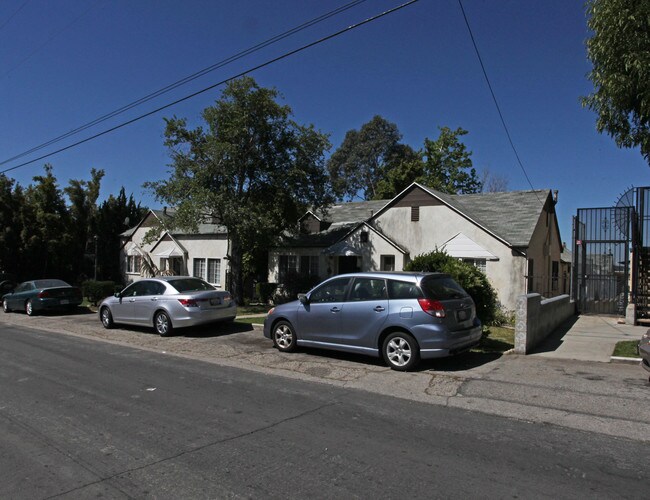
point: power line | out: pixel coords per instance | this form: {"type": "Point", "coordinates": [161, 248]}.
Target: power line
{"type": "Point", "coordinates": [206, 89]}
{"type": "Point", "coordinates": [187, 79]}
{"type": "Point", "coordinates": [494, 98]}
{"type": "Point", "coordinates": [14, 14]}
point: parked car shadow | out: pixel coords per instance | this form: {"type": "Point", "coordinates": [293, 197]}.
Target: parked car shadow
{"type": "Point", "coordinates": [218, 329]}
{"type": "Point", "coordinates": [460, 362]}
{"type": "Point", "coordinates": [77, 311]}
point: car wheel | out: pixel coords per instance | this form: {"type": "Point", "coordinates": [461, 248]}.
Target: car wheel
{"type": "Point", "coordinates": [401, 351]}
{"type": "Point", "coordinates": [29, 308]}
{"type": "Point", "coordinates": [162, 324]}
{"type": "Point", "coordinates": [5, 306]}
{"type": "Point", "coordinates": [106, 317]}
{"type": "Point", "coordinates": [284, 337]}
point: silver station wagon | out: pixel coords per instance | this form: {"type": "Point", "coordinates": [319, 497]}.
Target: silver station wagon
{"type": "Point", "coordinates": [166, 303]}
{"type": "Point", "coordinates": [400, 316]}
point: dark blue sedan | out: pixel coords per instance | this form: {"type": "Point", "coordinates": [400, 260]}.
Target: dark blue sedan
{"type": "Point", "coordinates": [40, 295]}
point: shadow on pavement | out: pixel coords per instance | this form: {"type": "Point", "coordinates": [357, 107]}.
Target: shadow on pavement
{"type": "Point", "coordinates": [555, 339]}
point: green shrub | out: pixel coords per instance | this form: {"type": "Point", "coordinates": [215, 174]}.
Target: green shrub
{"type": "Point", "coordinates": [469, 277]}
{"type": "Point", "coordinates": [265, 291]}
{"type": "Point", "coordinates": [295, 283]}
{"type": "Point", "coordinates": [96, 291]}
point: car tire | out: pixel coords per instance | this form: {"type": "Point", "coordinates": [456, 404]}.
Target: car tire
{"type": "Point", "coordinates": [401, 351]}
{"type": "Point", "coordinates": [284, 337]}
{"type": "Point", "coordinates": [106, 317]}
{"type": "Point", "coordinates": [29, 308]}
{"type": "Point", "coordinates": [163, 324]}
{"type": "Point", "coordinates": [5, 306]}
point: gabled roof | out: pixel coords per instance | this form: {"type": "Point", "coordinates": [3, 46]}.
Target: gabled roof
{"type": "Point", "coordinates": [510, 216]}
{"type": "Point", "coordinates": [462, 246]}
{"type": "Point", "coordinates": [161, 215]}
{"type": "Point", "coordinates": [351, 212]}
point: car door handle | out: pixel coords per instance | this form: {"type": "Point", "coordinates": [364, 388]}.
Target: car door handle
{"type": "Point", "coordinates": [335, 309]}
{"type": "Point", "coordinates": [153, 299]}
{"type": "Point", "coordinates": [379, 309]}
{"type": "Point", "coordinates": [131, 300]}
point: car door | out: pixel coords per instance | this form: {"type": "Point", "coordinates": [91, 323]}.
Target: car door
{"type": "Point", "coordinates": [17, 299]}
{"type": "Point", "coordinates": [146, 301]}
{"type": "Point", "coordinates": [366, 310]}
{"type": "Point", "coordinates": [319, 320]}
{"type": "Point", "coordinates": [124, 309]}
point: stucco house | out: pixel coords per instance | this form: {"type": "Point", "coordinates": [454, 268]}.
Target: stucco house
{"type": "Point", "coordinates": [512, 236]}
{"type": "Point", "coordinates": [201, 254]}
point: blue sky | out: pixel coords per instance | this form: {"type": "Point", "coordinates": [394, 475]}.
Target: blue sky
{"type": "Point", "coordinates": [65, 63]}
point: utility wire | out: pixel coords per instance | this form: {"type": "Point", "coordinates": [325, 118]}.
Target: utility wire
{"type": "Point", "coordinates": [49, 39]}
{"type": "Point", "coordinates": [494, 98]}
{"type": "Point", "coordinates": [14, 14]}
{"type": "Point", "coordinates": [187, 79]}
{"type": "Point", "coordinates": [206, 89]}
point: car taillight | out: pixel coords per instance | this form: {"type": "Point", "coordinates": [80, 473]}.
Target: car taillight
{"type": "Point", "coordinates": [188, 302]}
{"type": "Point", "coordinates": [43, 294]}
{"type": "Point", "coordinates": [227, 297]}
{"type": "Point", "coordinates": [432, 307]}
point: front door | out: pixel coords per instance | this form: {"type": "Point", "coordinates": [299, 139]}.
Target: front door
{"type": "Point", "coordinates": [348, 265]}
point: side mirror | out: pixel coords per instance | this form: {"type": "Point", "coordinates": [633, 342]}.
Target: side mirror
{"type": "Point", "coordinates": [302, 297]}
{"type": "Point", "coordinates": [117, 295]}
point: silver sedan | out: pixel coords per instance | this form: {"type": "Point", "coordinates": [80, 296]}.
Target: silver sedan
{"type": "Point", "coordinates": [166, 303]}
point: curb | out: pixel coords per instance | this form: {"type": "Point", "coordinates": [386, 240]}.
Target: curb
{"type": "Point", "coordinates": [621, 359]}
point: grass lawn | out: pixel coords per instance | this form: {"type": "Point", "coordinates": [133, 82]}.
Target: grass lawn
{"type": "Point", "coordinates": [626, 349]}
{"type": "Point", "coordinates": [496, 339]}
{"type": "Point", "coordinates": [258, 320]}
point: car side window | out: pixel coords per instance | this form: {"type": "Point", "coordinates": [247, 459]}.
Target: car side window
{"type": "Point", "coordinates": [403, 290]}
{"type": "Point", "coordinates": [332, 291]}
{"type": "Point", "coordinates": [157, 288]}
{"type": "Point", "coordinates": [137, 289]}
{"type": "Point", "coordinates": [368, 289]}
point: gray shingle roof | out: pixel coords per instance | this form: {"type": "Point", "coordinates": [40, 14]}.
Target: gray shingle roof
{"type": "Point", "coordinates": [511, 215]}
{"type": "Point", "coordinates": [352, 212]}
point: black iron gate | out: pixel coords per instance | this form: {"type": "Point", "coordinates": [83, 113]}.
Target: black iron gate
{"type": "Point", "coordinates": [602, 249]}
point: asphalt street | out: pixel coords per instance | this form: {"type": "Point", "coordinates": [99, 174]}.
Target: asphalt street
{"type": "Point", "coordinates": [81, 418]}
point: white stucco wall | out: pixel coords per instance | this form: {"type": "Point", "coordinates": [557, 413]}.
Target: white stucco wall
{"type": "Point", "coordinates": [437, 225]}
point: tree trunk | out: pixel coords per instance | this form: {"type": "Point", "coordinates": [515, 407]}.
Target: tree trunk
{"type": "Point", "coordinates": [237, 270]}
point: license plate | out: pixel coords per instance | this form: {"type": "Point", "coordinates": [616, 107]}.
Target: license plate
{"type": "Point", "coordinates": [463, 314]}
{"type": "Point", "coordinates": [215, 302]}
{"type": "Point", "coordinates": [65, 301]}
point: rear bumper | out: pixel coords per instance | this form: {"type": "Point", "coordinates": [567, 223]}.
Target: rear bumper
{"type": "Point", "coordinates": [195, 316]}
{"type": "Point", "coordinates": [439, 344]}
{"type": "Point", "coordinates": [644, 352]}
{"type": "Point", "coordinates": [54, 303]}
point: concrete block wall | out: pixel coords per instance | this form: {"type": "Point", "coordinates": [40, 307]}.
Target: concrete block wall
{"type": "Point", "coordinates": [536, 319]}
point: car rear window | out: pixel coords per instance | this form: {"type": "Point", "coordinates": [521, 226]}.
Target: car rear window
{"type": "Point", "coordinates": [190, 285]}
{"type": "Point", "coordinates": [49, 283]}
{"type": "Point", "coordinates": [442, 288]}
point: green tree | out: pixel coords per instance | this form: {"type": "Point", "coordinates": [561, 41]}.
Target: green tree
{"type": "Point", "coordinates": [404, 168]}
{"type": "Point", "coordinates": [448, 164]}
{"type": "Point", "coordinates": [619, 51]}
{"type": "Point", "coordinates": [253, 169]}
{"type": "Point", "coordinates": [365, 156]}
{"type": "Point", "coordinates": [82, 210]}
{"type": "Point", "coordinates": [45, 238]}
{"type": "Point", "coordinates": [473, 281]}
{"type": "Point", "coordinates": [11, 200]}
{"type": "Point", "coordinates": [114, 216]}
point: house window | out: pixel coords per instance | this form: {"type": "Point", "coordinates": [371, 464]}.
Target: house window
{"type": "Point", "coordinates": [199, 268]}
{"type": "Point", "coordinates": [555, 273]}
{"type": "Point", "coordinates": [133, 264]}
{"type": "Point", "coordinates": [387, 262]}
{"type": "Point", "coordinates": [530, 276]}
{"type": "Point", "coordinates": [479, 264]}
{"type": "Point", "coordinates": [415, 214]}
{"type": "Point", "coordinates": [288, 263]}
{"type": "Point", "coordinates": [363, 237]}
{"type": "Point", "coordinates": [214, 271]}
{"type": "Point", "coordinates": [309, 265]}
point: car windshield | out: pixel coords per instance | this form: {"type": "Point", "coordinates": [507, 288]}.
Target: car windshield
{"type": "Point", "coordinates": [190, 285]}
{"type": "Point", "coordinates": [442, 288]}
{"type": "Point", "coordinates": [49, 283]}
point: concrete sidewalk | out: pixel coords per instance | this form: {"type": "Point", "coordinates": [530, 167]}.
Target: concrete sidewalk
{"type": "Point", "coordinates": [587, 338]}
